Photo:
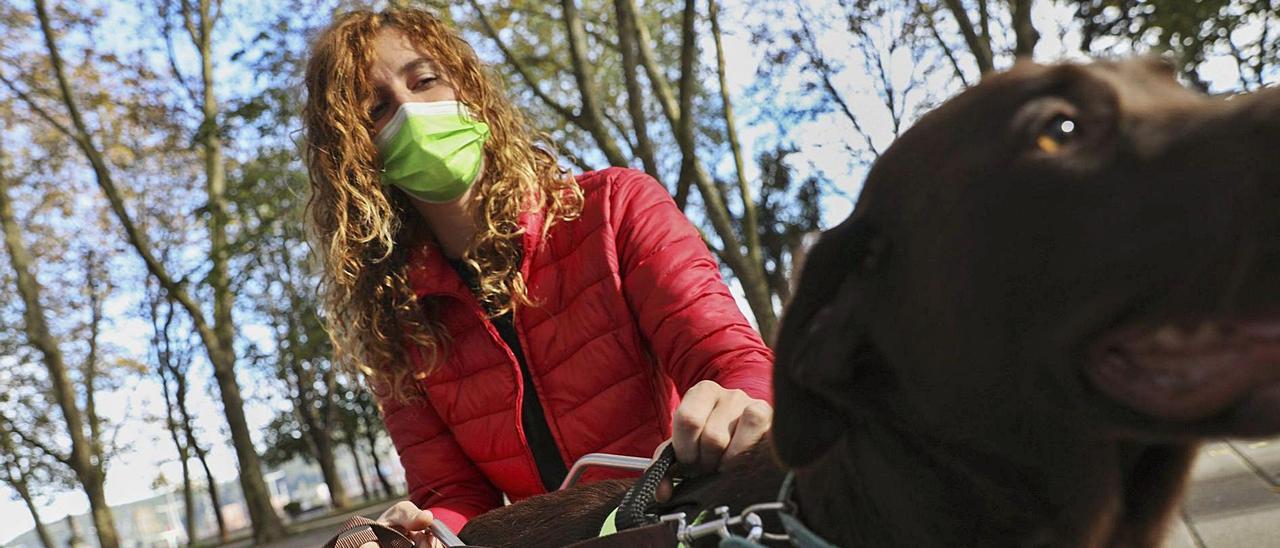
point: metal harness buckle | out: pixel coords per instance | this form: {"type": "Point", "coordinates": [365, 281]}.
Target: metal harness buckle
{"type": "Point", "coordinates": [749, 519]}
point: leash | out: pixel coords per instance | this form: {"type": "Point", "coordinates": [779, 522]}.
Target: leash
{"type": "Point", "coordinates": [358, 530]}
{"type": "Point", "coordinates": [633, 511]}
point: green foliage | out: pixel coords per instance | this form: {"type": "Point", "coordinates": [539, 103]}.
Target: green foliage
{"type": "Point", "coordinates": [284, 440]}
{"type": "Point", "coordinates": [1189, 31]}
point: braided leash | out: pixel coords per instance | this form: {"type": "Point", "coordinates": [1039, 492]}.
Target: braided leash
{"type": "Point", "coordinates": [632, 511]}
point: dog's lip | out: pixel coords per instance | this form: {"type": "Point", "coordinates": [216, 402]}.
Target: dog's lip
{"type": "Point", "coordinates": [1190, 371]}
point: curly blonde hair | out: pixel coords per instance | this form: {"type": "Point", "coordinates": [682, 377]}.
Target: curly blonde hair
{"type": "Point", "coordinates": [364, 231]}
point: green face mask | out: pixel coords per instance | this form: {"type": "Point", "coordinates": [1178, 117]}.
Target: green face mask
{"type": "Point", "coordinates": [432, 150]}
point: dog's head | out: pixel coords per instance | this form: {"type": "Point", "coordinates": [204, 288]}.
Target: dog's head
{"type": "Point", "coordinates": [1089, 246]}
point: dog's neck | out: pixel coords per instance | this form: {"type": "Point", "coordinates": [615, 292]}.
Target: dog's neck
{"type": "Point", "coordinates": [882, 486]}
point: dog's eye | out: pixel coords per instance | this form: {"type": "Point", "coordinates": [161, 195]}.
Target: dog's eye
{"type": "Point", "coordinates": [1057, 133]}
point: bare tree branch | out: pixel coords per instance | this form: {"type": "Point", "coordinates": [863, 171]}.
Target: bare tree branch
{"type": "Point", "coordinates": [661, 88]}
{"type": "Point", "coordinates": [521, 70]}
{"type": "Point", "coordinates": [591, 109]}
{"type": "Point", "coordinates": [750, 225]}
{"type": "Point", "coordinates": [52, 453]}
{"type": "Point", "coordinates": [644, 148]}
{"type": "Point", "coordinates": [1024, 31]}
{"type": "Point", "coordinates": [980, 48]}
{"type": "Point", "coordinates": [927, 10]}
{"type": "Point", "coordinates": [48, 118]}
{"type": "Point", "coordinates": [166, 30]}
{"type": "Point", "coordinates": [824, 71]}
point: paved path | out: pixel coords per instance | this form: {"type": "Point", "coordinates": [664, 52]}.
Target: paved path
{"type": "Point", "coordinates": [313, 534]}
{"type": "Point", "coordinates": [1234, 499]}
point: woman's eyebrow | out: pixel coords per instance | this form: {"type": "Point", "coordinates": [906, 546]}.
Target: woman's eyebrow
{"type": "Point", "coordinates": [416, 64]}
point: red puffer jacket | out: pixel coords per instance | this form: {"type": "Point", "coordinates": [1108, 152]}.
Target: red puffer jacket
{"type": "Point", "coordinates": [632, 312]}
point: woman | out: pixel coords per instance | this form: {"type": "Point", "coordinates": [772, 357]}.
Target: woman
{"type": "Point", "coordinates": [510, 318]}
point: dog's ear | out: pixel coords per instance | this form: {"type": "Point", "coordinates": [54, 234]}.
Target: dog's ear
{"type": "Point", "coordinates": [820, 336]}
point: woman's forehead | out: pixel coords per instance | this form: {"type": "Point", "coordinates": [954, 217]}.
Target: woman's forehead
{"type": "Point", "coordinates": [394, 50]}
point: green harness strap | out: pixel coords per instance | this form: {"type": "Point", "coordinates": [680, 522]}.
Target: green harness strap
{"type": "Point", "coordinates": [609, 527]}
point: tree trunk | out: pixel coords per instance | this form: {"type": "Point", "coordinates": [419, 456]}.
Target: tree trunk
{"type": "Point", "coordinates": [266, 522]}
{"type": "Point", "coordinates": [635, 93]}
{"type": "Point", "coordinates": [214, 500]}
{"type": "Point", "coordinates": [324, 455]}
{"type": "Point", "coordinates": [82, 458]}
{"type": "Point", "coordinates": [41, 532]}
{"type": "Point", "coordinates": [73, 533]}
{"type": "Point", "coordinates": [1024, 30]}
{"type": "Point", "coordinates": [591, 113]}
{"type": "Point", "coordinates": [355, 457]}
{"type": "Point", "coordinates": [184, 457]}
{"type": "Point", "coordinates": [318, 429]}
{"type": "Point", "coordinates": [750, 226]}
{"type": "Point", "coordinates": [371, 434]}
{"type": "Point", "coordinates": [188, 501]}
{"type": "Point", "coordinates": [679, 114]}
{"type": "Point", "coordinates": [103, 521]}
{"type": "Point", "coordinates": [189, 430]}
{"type": "Point", "coordinates": [980, 48]}
{"type": "Point", "coordinates": [318, 435]}
{"type": "Point", "coordinates": [167, 365]}
{"type": "Point", "coordinates": [18, 479]}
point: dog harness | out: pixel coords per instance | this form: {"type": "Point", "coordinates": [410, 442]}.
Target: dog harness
{"type": "Point", "coordinates": [632, 517]}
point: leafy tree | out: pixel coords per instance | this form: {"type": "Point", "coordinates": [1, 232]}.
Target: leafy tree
{"type": "Point", "coordinates": [617, 83]}
{"type": "Point", "coordinates": [26, 472]}
{"type": "Point", "coordinates": [1189, 31]}
{"type": "Point", "coordinates": [784, 227]}
{"type": "Point", "coordinates": [88, 452]}
{"type": "Point", "coordinates": [267, 200]}
{"type": "Point", "coordinates": [80, 121]}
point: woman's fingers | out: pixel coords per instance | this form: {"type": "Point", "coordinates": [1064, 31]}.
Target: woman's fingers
{"type": "Point", "coordinates": [750, 427]}
{"type": "Point", "coordinates": [406, 517]}
{"type": "Point", "coordinates": [717, 433]}
{"type": "Point", "coordinates": [713, 424]}
{"type": "Point", "coordinates": [410, 521]}
{"type": "Point", "coordinates": [690, 417]}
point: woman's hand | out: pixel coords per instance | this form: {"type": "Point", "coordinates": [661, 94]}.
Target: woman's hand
{"type": "Point", "coordinates": [713, 424]}
{"type": "Point", "coordinates": [415, 523]}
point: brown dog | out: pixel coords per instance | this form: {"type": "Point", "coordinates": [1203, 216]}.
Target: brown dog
{"type": "Point", "coordinates": [1052, 287]}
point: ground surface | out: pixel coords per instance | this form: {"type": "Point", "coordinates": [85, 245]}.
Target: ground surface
{"type": "Point", "coordinates": [1234, 498]}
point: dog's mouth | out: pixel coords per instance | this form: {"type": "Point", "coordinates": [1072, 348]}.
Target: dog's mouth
{"type": "Point", "coordinates": [1210, 370]}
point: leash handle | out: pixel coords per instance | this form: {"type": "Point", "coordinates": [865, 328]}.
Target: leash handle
{"type": "Point", "coordinates": [358, 530]}
{"type": "Point", "coordinates": [353, 534]}
{"type": "Point", "coordinates": [631, 513]}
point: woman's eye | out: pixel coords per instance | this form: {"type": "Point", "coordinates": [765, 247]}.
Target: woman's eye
{"type": "Point", "coordinates": [376, 112]}
{"type": "Point", "coordinates": [1057, 133]}
{"type": "Point", "coordinates": [425, 81]}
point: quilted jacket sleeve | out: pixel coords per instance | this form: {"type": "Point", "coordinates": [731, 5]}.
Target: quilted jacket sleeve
{"type": "Point", "coordinates": [440, 476]}
{"type": "Point", "coordinates": [673, 286]}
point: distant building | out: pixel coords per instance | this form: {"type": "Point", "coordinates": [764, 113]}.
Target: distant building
{"type": "Point", "coordinates": [158, 521]}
